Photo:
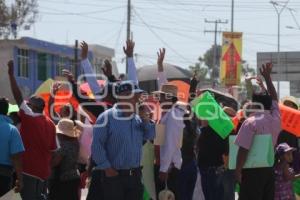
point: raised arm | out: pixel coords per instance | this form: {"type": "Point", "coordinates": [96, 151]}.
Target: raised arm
{"type": "Point", "coordinates": [13, 84]}
{"type": "Point", "coordinates": [249, 86]}
{"type": "Point", "coordinates": [128, 50]}
{"type": "Point", "coordinates": [55, 88]}
{"type": "Point", "coordinates": [89, 105]}
{"type": "Point", "coordinates": [88, 69]}
{"type": "Point", "coordinates": [107, 71]}
{"type": "Point", "coordinates": [265, 71]}
{"type": "Point", "coordinates": [162, 77]}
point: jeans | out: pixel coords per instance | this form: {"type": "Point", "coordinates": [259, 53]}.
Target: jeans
{"type": "Point", "coordinates": [229, 185]}
{"type": "Point", "coordinates": [33, 188]}
{"type": "Point", "coordinates": [212, 185]}
{"type": "Point", "coordinates": [63, 190]}
{"type": "Point", "coordinates": [123, 188]}
{"type": "Point", "coordinates": [258, 184]}
{"type": "Point", "coordinates": [5, 184]}
{"type": "Point", "coordinates": [187, 180]}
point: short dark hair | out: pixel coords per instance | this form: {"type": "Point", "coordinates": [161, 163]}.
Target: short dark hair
{"type": "Point", "coordinates": [264, 99]}
{"type": "Point", "coordinates": [174, 99]}
{"type": "Point", "coordinates": [4, 106]}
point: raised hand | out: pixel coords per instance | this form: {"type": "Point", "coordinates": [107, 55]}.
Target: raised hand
{"type": "Point", "coordinates": [128, 50]}
{"type": "Point", "coordinates": [55, 87]}
{"type": "Point", "coordinates": [10, 65]}
{"type": "Point", "coordinates": [266, 70]}
{"type": "Point", "coordinates": [260, 83]}
{"type": "Point", "coordinates": [66, 73]}
{"type": "Point", "coordinates": [160, 59]}
{"type": "Point", "coordinates": [107, 69]}
{"type": "Point", "coordinates": [84, 50]}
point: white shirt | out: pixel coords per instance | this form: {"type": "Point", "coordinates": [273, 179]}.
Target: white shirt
{"type": "Point", "coordinates": [170, 152]}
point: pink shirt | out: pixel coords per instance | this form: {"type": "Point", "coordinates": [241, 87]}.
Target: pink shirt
{"type": "Point", "coordinates": [266, 122]}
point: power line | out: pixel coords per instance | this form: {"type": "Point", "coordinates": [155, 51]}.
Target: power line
{"type": "Point", "coordinates": [84, 13]}
{"type": "Point", "coordinates": [119, 34]}
{"type": "Point", "coordinates": [158, 37]}
{"type": "Point", "coordinates": [214, 67]}
{"type": "Point", "coordinates": [294, 18]}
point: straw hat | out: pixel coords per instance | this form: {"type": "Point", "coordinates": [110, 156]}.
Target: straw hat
{"type": "Point", "coordinates": [291, 99]}
{"type": "Point", "coordinates": [167, 89]}
{"type": "Point", "coordinates": [69, 128]}
{"type": "Point", "coordinates": [229, 111]}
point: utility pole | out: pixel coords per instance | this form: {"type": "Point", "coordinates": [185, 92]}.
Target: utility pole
{"type": "Point", "coordinates": [76, 59]}
{"type": "Point", "coordinates": [128, 28]}
{"type": "Point", "coordinates": [278, 11]}
{"type": "Point", "coordinates": [232, 15]}
{"type": "Point", "coordinates": [214, 67]}
{"type": "Point", "coordinates": [232, 29]}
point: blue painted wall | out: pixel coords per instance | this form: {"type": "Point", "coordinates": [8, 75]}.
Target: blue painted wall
{"type": "Point", "coordinates": [54, 50]}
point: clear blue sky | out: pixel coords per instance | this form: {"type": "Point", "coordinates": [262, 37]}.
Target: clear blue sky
{"type": "Point", "coordinates": [177, 25]}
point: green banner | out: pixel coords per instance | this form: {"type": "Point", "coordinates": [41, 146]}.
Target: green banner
{"type": "Point", "coordinates": [206, 108]}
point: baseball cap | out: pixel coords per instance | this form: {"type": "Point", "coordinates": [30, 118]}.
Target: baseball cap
{"type": "Point", "coordinates": [128, 86]}
{"type": "Point", "coordinates": [283, 148]}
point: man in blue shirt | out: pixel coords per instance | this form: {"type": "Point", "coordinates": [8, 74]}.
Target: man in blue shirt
{"type": "Point", "coordinates": [11, 147]}
{"type": "Point", "coordinates": [117, 144]}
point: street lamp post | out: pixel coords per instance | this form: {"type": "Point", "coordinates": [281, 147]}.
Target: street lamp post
{"type": "Point", "coordinates": [278, 11]}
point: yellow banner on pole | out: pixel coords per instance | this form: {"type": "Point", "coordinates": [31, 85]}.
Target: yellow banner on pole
{"type": "Point", "coordinates": [231, 60]}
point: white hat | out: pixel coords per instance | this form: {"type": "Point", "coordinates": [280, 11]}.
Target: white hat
{"type": "Point", "coordinates": [167, 89]}
{"type": "Point", "coordinates": [291, 99]}
{"type": "Point", "coordinates": [69, 128]}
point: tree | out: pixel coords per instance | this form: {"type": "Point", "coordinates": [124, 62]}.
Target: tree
{"type": "Point", "coordinates": [209, 56]}
{"type": "Point", "coordinates": [19, 15]}
{"type": "Point", "coordinates": [199, 69]}
{"type": "Point", "coordinates": [204, 66]}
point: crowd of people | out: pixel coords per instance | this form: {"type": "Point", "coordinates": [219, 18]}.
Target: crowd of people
{"type": "Point", "coordinates": [99, 145]}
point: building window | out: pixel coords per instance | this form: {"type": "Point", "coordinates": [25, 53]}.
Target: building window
{"type": "Point", "coordinates": [23, 63]}
{"type": "Point", "coordinates": [61, 64]}
{"type": "Point", "coordinates": [43, 67]}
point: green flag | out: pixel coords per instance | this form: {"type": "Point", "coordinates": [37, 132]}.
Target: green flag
{"type": "Point", "coordinates": [206, 108]}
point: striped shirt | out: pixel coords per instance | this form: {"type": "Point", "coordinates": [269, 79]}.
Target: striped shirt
{"type": "Point", "coordinates": [117, 143]}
